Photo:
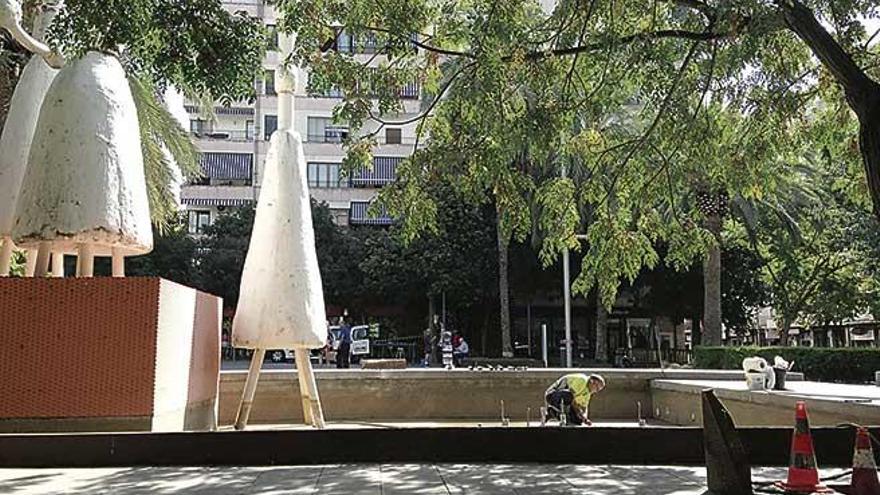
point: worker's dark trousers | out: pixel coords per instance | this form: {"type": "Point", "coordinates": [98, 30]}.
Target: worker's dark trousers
{"type": "Point", "coordinates": [343, 355]}
{"type": "Point", "coordinates": [558, 399]}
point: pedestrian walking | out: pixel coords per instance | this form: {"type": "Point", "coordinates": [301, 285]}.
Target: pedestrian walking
{"type": "Point", "coordinates": [343, 355]}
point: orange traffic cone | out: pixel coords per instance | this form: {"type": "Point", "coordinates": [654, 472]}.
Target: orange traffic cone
{"type": "Point", "coordinates": [803, 475]}
{"type": "Point", "coordinates": [864, 475]}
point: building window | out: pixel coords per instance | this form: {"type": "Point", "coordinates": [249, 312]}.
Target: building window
{"type": "Point", "coordinates": [272, 35]}
{"type": "Point", "coordinates": [198, 220]}
{"type": "Point", "coordinates": [269, 83]}
{"type": "Point", "coordinates": [198, 127]}
{"type": "Point", "coordinates": [393, 136]}
{"type": "Point", "coordinates": [410, 91]}
{"type": "Point", "coordinates": [325, 175]}
{"type": "Point", "coordinates": [345, 43]}
{"type": "Point", "coordinates": [270, 125]}
{"type": "Point", "coordinates": [322, 130]}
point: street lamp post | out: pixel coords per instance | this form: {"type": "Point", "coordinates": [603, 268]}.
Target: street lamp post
{"type": "Point", "coordinates": [566, 294]}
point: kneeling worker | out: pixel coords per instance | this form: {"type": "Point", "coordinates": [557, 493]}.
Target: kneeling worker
{"type": "Point", "coordinates": [569, 398]}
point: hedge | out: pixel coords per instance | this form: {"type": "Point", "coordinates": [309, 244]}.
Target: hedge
{"type": "Point", "coordinates": [847, 365]}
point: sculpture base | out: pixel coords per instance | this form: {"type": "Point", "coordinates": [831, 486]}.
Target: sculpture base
{"type": "Point", "coordinates": [107, 354]}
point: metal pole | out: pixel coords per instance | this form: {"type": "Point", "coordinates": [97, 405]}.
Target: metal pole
{"type": "Point", "coordinates": [529, 325]}
{"type": "Point", "coordinates": [566, 291]}
{"type": "Point", "coordinates": [444, 308]}
{"type": "Point", "coordinates": [567, 296]}
{"type": "Point", "coordinates": [544, 343]}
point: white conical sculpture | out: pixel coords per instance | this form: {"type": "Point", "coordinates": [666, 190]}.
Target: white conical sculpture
{"type": "Point", "coordinates": [84, 189]}
{"type": "Point", "coordinates": [18, 133]}
{"type": "Point", "coordinates": [281, 301]}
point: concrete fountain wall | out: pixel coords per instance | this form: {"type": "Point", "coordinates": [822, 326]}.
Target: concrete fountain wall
{"type": "Point", "coordinates": [440, 395]}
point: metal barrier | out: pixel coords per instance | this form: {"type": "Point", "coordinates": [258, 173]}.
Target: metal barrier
{"type": "Point", "coordinates": [409, 348]}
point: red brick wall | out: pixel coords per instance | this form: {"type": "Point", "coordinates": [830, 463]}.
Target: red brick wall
{"type": "Point", "coordinates": [77, 347]}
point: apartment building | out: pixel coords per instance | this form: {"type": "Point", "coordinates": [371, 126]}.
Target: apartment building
{"type": "Point", "coordinates": [234, 140]}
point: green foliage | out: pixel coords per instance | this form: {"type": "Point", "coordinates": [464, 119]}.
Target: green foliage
{"type": "Point", "coordinates": [221, 254]}
{"type": "Point", "coordinates": [195, 45]}
{"type": "Point", "coordinates": [17, 267]}
{"type": "Point", "coordinates": [162, 137]}
{"type": "Point", "coordinates": [818, 364]}
{"type": "Point", "coordinates": [646, 108]}
{"type": "Point", "coordinates": [173, 256]}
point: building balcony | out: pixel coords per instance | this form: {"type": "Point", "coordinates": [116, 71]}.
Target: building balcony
{"type": "Point", "coordinates": [215, 195]}
{"type": "Point", "coordinates": [235, 136]}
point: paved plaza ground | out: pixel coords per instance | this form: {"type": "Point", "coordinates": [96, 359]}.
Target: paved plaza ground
{"type": "Point", "coordinates": [532, 479]}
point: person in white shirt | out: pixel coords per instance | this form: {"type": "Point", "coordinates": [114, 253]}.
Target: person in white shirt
{"type": "Point", "coordinates": [460, 351]}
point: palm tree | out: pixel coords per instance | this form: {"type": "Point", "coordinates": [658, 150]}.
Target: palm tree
{"type": "Point", "coordinates": [165, 146]}
{"type": "Point", "coordinates": [796, 192]}
{"type": "Point", "coordinates": [713, 205]}
{"type": "Point", "coordinates": [504, 289]}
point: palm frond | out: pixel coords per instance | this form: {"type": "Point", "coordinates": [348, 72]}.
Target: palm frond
{"type": "Point", "coordinates": [749, 215]}
{"type": "Point", "coordinates": [165, 145]}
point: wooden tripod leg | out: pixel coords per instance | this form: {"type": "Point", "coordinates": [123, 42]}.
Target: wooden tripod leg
{"type": "Point", "coordinates": [250, 389]}
{"type": "Point", "coordinates": [5, 256]}
{"type": "Point", "coordinates": [312, 387]}
{"type": "Point", "coordinates": [308, 418]}
{"type": "Point", "coordinates": [43, 259]}
{"type": "Point", "coordinates": [31, 264]}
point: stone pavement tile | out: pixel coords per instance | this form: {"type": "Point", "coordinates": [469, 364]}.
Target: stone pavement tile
{"type": "Point", "coordinates": [127, 481]}
{"type": "Point", "coordinates": [45, 481]}
{"type": "Point", "coordinates": [351, 479]}
{"type": "Point", "coordinates": [631, 480]}
{"type": "Point", "coordinates": [515, 479]}
{"type": "Point", "coordinates": [400, 479]}
{"type": "Point", "coordinates": [287, 480]}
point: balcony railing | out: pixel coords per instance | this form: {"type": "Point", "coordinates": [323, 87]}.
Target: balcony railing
{"type": "Point", "coordinates": [231, 135]}
{"type": "Point", "coordinates": [327, 137]}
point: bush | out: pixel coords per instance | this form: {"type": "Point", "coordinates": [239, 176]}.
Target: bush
{"type": "Point", "coordinates": [816, 363]}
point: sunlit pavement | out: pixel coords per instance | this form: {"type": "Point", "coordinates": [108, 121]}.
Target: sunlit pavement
{"type": "Point", "coordinates": [371, 479]}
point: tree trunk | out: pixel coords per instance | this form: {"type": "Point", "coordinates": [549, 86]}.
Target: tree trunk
{"type": "Point", "coordinates": [696, 331]}
{"type": "Point", "coordinates": [862, 93]}
{"type": "Point", "coordinates": [783, 331]}
{"type": "Point", "coordinates": [601, 331]}
{"type": "Point", "coordinates": [504, 291]}
{"type": "Point", "coordinates": [712, 286]}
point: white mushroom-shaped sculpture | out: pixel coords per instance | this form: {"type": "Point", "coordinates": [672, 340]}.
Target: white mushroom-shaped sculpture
{"type": "Point", "coordinates": [84, 190]}
{"type": "Point", "coordinates": [18, 133]}
{"type": "Point", "coordinates": [281, 301]}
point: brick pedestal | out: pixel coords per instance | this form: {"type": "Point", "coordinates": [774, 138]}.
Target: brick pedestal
{"type": "Point", "coordinates": [103, 354]}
